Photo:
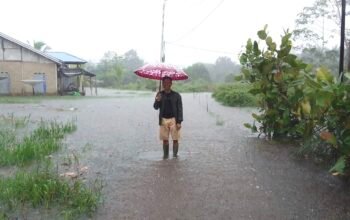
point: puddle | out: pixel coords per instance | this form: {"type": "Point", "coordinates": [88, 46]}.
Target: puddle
{"type": "Point", "coordinates": [158, 155]}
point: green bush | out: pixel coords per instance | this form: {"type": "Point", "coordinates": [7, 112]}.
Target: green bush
{"type": "Point", "coordinates": [193, 86]}
{"type": "Point", "coordinates": [295, 102]}
{"type": "Point", "coordinates": [236, 94]}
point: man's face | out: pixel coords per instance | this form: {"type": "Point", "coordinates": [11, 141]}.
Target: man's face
{"type": "Point", "coordinates": [167, 84]}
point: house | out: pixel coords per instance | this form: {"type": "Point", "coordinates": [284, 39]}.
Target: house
{"type": "Point", "coordinates": [26, 70]}
{"type": "Point", "coordinates": [71, 75]}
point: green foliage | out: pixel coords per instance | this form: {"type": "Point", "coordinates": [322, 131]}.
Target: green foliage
{"type": "Point", "coordinates": [115, 71]}
{"type": "Point", "coordinates": [236, 94]}
{"type": "Point", "coordinates": [43, 188]}
{"type": "Point", "coordinates": [198, 71]}
{"type": "Point", "coordinates": [296, 103]}
{"type": "Point", "coordinates": [194, 86]}
{"type": "Point", "coordinates": [223, 70]}
{"type": "Point", "coordinates": [323, 13]}
{"type": "Point", "coordinates": [321, 57]}
{"type": "Point", "coordinates": [277, 77]}
{"type": "Point", "coordinates": [43, 141]}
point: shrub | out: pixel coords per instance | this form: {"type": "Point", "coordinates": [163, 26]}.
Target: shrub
{"type": "Point", "coordinates": [236, 95]}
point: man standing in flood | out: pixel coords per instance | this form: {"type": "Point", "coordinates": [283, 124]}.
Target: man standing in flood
{"type": "Point", "coordinates": [169, 104]}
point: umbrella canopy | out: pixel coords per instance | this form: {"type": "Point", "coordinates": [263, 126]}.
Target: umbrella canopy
{"type": "Point", "coordinates": [158, 71]}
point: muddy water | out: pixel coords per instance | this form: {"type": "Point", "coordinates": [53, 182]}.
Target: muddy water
{"type": "Point", "coordinates": [222, 172]}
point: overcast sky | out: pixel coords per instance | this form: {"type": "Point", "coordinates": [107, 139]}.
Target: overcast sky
{"type": "Point", "coordinates": [195, 30]}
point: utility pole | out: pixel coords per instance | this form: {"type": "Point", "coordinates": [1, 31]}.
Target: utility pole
{"type": "Point", "coordinates": [162, 45]}
{"type": "Point", "coordinates": [342, 39]}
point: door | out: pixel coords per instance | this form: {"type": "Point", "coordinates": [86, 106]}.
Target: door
{"type": "Point", "coordinates": [40, 88]}
{"type": "Point", "coordinates": [5, 86]}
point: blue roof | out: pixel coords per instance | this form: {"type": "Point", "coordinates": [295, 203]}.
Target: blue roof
{"type": "Point", "coordinates": [66, 57]}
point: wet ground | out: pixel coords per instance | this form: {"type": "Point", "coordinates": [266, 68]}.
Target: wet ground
{"type": "Point", "coordinates": [222, 172]}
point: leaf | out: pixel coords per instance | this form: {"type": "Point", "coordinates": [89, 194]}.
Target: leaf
{"type": "Point", "coordinates": [271, 45]}
{"type": "Point", "coordinates": [323, 74]}
{"type": "Point", "coordinates": [311, 83]}
{"type": "Point", "coordinates": [308, 68]}
{"type": "Point", "coordinates": [262, 34]}
{"type": "Point", "coordinates": [329, 138]}
{"type": "Point", "coordinates": [249, 45]}
{"type": "Point", "coordinates": [290, 59]}
{"type": "Point", "coordinates": [247, 125]}
{"type": "Point", "coordinates": [285, 40]}
{"type": "Point", "coordinates": [284, 52]}
{"type": "Point", "coordinates": [306, 107]}
{"type": "Point", "coordinates": [257, 52]}
{"type": "Point", "coordinates": [243, 59]}
{"type": "Point", "coordinates": [339, 165]}
{"type": "Point", "coordinates": [323, 99]}
{"type": "Point", "coordinates": [255, 116]}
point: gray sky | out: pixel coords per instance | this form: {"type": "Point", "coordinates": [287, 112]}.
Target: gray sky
{"type": "Point", "coordinates": [196, 30]}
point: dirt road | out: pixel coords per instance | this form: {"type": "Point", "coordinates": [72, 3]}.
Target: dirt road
{"type": "Point", "coordinates": [223, 171]}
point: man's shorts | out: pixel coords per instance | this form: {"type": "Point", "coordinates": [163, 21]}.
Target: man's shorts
{"type": "Point", "coordinates": [168, 128]}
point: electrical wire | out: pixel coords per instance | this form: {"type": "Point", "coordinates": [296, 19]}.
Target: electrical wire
{"type": "Point", "coordinates": [202, 49]}
{"type": "Point", "coordinates": [199, 24]}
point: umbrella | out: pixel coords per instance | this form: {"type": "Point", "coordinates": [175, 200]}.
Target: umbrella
{"type": "Point", "coordinates": [160, 70]}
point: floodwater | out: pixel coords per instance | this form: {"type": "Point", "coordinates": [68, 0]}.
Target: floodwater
{"type": "Point", "coordinates": [222, 172]}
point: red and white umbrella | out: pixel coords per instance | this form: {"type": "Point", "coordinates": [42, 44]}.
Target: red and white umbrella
{"type": "Point", "coordinates": [160, 70]}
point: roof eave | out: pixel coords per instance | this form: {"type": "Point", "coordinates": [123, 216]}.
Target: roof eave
{"type": "Point", "coordinates": [28, 47]}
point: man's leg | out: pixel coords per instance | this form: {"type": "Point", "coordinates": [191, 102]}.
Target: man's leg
{"type": "Point", "coordinates": [164, 136]}
{"type": "Point", "coordinates": [165, 149]}
{"type": "Point", "coordinates": [175, 148]}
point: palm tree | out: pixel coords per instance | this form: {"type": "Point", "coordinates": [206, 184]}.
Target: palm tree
{"type": "Point", "coordinates": [40, 45]}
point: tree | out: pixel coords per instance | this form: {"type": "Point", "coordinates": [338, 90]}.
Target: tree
{"type": "Point", "coordinates": [318, 57]}
{"type": "Point", "coordinates": [317, 24]}
{"type": "Point", "coordinates": [131, 61]}
{"type": "Point", "coordinates": [198, 71]}
{"type": "Point", "coordinates": [40, 45]}
{"type": "Point", "coordinates": [110, 70]}
{"type": "Point", "coordinates": [224, 67]}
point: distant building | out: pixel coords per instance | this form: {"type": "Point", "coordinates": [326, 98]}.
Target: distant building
{"type": "Point", "coordinates": [70, 74]}
{"type": "Point", "coordinates": [26, 70]}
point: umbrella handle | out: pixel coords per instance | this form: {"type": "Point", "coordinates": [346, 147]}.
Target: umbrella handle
{"type": "Point", "coordinates": [160, 85]}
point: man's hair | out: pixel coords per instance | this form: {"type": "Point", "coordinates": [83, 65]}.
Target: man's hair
{"type": "Point", "coordinates": [167, 77]}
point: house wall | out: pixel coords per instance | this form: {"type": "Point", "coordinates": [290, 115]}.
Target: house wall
{"type": "Point", "coordinates": [25, 70]}
{"type": "Point", "coordinates": [21, 64]}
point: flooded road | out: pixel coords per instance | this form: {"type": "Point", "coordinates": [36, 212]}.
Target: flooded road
{"type": "Point", "coordinates": [222, 172]}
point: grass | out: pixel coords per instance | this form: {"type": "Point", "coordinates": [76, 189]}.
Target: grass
{"type": "Point", "coordinates": [43, 141]}
{"type": "Point", "coordinates": [47, 189]}
{"type": "Point", "coordinates": [10, 120]}
{"type": "Point", "coordinates": [39, 99]}
{"type": "Point", "coordinates": [42, 187]}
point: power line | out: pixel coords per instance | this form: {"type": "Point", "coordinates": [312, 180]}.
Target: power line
{"type": "Point", "coordinates": [200, 23]}
{"type": "Point", "coordinates": [202, 49]}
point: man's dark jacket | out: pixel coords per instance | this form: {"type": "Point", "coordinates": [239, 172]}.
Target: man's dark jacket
{"type": "Point", "coordinates": [176, 104]}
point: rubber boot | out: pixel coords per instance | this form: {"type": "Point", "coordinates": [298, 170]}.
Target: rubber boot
{"type": "Point", "coordinates": [166, 151]}
{"type": "Point", "coordinates": [175, 149]}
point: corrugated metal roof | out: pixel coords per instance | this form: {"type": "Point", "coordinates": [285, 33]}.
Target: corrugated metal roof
{"type": "Point", "coordinates": [27, 46]}
{"type": "Point", "coordinates": [67, 58]}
